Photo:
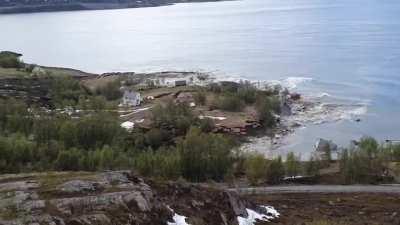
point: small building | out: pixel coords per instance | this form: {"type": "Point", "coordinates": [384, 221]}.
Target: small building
{"type": "Point", "coordinates": [131, 98]}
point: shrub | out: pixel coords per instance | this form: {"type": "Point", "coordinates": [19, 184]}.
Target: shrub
{"type": "Point", "coordinates": [256, 167]}
{"type": "Point", "coordinates": [247, 92]}
{"type": "Point", "coordinates": [155, 137]}
{"type": "Point", "coordinates": [65, 91]}
{"type": "Point", "coordinates": [202, 160]}
{"type": "Point", "coordinates": [173, 116]}
{"type": "Point", "coordinates": [206, 125]}
{"type": "Point", "coordinates": [276, 171]}
{"type": "Point", "coordinates": [265, 109]}
{"type": "Point", "coordinates": [363, 164]}
{"type": "Point", "coordinates": [312, 166]}
{"type": "Point", "coordinates": [293, 166]}
{"type": "Point", "coordinates": [68, 159]}
{"type": "Point", "coordinates": [200, 97]}
{"type": "Point", "coordinates": [163, 163]}
{"type": "Point", "coordinates": [111, 91]}
{"type": "Point", "coordinates": [10, 60]}
{"type": "Point", "coordinates": [230, 103]}
{"type": "Point", "coordinates": [395, 151]}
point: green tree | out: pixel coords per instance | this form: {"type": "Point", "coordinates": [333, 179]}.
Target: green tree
{"type": "Point", "coordinates": [69, 159]}
{"type": "Point", "coordinates": [256, 168]}
{"type": "Point", "coordinates": [68, 134]}
{"type": "Point", "coordinates": [265, 111]}
{"type": "Point", "coordinates": [312, 166]}
{"type": "Point", "coordinates": [293, 165]}
{"type": "Point", "coordinates": [200, 97]}
{"type": "Point", "coordinates": [202, 160]}
{"type": "Point", "coordinates": [111, 90]}
{"type": "Point", "coordinates": [276, 171]}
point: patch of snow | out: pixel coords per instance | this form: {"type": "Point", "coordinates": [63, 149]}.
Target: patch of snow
{"type": "Point", "coordinates": [272, 211]}
{"type": "Point", "coordinates": [134, 112]}
{"type": "Point", "coordinates": [292, 177]}
{"type": "Point", "coordinates": [213, 117]}
{"type": "Point", "coordinates": [140, 110]}
{"type": "Point", "coordinates": [128, 125]}
{"type": "Point", "coordinates": [177, 219]}
{"type": "Point", "coordinates": [139, 121]}
{"type": "Point", "coordinates": [254, 216]}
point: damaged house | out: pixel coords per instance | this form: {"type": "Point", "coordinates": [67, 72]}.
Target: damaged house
{"type": "Point", "coordinates": [131, 98]}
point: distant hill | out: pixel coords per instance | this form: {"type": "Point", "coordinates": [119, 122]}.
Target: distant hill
{"type": "Point", "coordinates": [27, 6]}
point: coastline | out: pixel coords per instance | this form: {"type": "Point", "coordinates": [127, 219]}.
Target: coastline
{"type": "Point", "coordinates": [79, 6]}
{"type": "Point", "coordinates": [301, 110]}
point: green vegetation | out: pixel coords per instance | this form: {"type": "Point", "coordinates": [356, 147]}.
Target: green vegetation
{"type": "Point", "coordinates": [175, 117]}
{"type": "Point", "coordinates": [200, 97]}
{"type": "Point", "coordinates": [111, 90]}
{"type": "Point", "coordinates": [312, 166]}
{"type": "Point", "coordinates": [35, 139]}
{"type": "Point", "coordinates": [368, 162]}
{"type": "Point", "coordinates": [229, 102]}
{"type": "Point", "coordinates": [202, 160]}
{"type": "Point", "coordinates": [234, 97]}
{"type": "Point", "coordinates": [256, 168]}
{"type": "Point", "coordinates": [266, 107]}
{"type": "Point", "coordinates": [10, 60]}
{"type": "Point", "coordinates": [293, 167]}
{"type": "Point", "coordinates": [66, 91]}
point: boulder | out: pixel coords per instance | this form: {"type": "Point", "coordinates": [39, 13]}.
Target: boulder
{"type": "Point", "coordinates": [236, 204]}
{"type": "Point", "coordinates": [295, 96]}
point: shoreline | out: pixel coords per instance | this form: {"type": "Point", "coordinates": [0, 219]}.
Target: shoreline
{"type": "Point", "coordinates": [301, 110]}
{"type": "Point", "coordinates": [49, 6]}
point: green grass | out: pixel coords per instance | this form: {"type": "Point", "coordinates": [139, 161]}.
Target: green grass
{"type": "Point", "coordinates": [12, 73]}
{"type": "Point", "coordinates": [8, 213]}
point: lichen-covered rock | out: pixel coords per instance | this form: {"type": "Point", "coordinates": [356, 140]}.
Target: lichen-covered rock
{"type": "Point", "coordinates": [79, 186]}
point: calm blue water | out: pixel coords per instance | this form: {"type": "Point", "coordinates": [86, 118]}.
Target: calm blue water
{"type": "Point", "coordinates": [351, 49]}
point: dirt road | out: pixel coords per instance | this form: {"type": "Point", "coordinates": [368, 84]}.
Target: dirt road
{"type": "Point", "coordinates": [395, 189]}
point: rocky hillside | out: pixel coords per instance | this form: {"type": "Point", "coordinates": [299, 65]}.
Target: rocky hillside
{"type": "Point", "coordinates": [119, 197]}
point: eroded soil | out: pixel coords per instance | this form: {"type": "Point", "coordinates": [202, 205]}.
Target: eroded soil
{"type": "Point", "coordinates": [338, 209]}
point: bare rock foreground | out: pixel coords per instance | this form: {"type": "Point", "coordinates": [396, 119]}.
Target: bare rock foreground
{"type": "Point", "coordinates": [118, 197]}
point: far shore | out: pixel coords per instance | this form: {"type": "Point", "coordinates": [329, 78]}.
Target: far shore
{"type": "Point", "coordinates": [12, 7]}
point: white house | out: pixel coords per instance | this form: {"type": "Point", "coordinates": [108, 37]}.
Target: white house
{"type": "Point", "coordinates": [131, 98]}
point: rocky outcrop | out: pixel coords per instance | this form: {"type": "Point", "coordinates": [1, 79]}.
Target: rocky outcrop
{"type": "Point", "coordinates": [115, 197]}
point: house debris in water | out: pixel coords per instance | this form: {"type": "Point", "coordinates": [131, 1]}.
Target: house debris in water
{"type": "Point", "coordinates": [131, 98]}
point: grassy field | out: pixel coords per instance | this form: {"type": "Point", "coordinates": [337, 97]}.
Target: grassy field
{"type": "Point", "coordinates": [12, 73]}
